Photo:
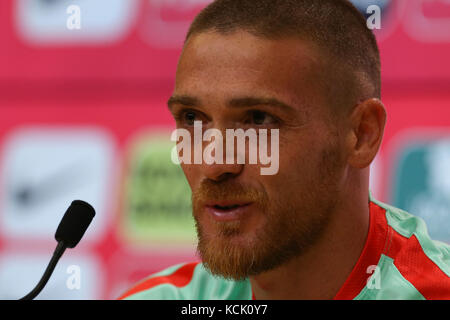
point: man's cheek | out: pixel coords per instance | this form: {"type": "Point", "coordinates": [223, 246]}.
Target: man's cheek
{"type": "Point", "coordinates": [191, 174]}
{"type": "Point", "coordinates": [295, 171]}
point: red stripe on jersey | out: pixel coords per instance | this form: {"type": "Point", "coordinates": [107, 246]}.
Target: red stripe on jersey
{"type": "Point", "coordinates": [417, 268]}
{"type": "Point", "coordinates": [375, 243]}
{"type": "Point", "coordinates": [179, 278]}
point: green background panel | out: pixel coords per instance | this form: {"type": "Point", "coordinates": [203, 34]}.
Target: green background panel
{"type": "Point", "coordinates": [157, 201]}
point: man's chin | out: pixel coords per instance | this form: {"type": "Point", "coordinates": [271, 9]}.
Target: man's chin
{"type": "Point", "coordinates": [229, 262]}
{"type": "Point", "coordinates": [231, 254]}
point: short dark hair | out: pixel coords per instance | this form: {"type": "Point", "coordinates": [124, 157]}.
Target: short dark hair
{"type": "Point", "coordinates": [336, 26]}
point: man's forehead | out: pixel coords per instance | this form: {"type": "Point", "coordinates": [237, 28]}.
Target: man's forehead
{"type": "Point", "coordinates": [247, 47]}
{"type": "Point", "coordinates": [244, 63]}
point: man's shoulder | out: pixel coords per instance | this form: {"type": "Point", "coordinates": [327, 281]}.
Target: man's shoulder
{"type": "Point", "coordinates": [410, 230]}
{"type": "Point", "coordinates": [187, 281]}
{"type": "Point", "coordinates": [413, 256]}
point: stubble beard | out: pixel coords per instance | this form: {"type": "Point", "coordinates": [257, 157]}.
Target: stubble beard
{"type": "Point", "coordinates": [288, 231]}
{"type": "Point", "coordinates": [292, 224]}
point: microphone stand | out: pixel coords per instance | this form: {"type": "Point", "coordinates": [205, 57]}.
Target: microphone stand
{"type": "Point", "coordinates": [60, 248]}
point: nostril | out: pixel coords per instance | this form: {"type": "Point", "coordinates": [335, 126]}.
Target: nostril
{"type": "Point", "coordinates": [226, 176]}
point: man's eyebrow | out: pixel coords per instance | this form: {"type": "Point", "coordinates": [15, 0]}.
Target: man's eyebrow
{"type": "Point", "coordinates": [255, 101]}
{"type": "Point", "coordinates": [183, 100]}
{"type": "Point", "coordinates": [243, 102]}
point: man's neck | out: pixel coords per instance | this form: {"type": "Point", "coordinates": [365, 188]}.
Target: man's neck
{"type": "Point", "coordinates": [321, 271]}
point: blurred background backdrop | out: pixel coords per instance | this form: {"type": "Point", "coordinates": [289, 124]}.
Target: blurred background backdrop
{"type": "Point", "coordinates": [83, 116]}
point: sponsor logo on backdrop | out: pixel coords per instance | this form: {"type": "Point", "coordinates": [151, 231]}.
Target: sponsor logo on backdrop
{"type": "Point", "coordinates": [428, 21]}
{"type": "Point", "coordinates": [97, 22]}
{"type": "Point", "coordinates": [167, 21]}
{"type": "Point", "coordinates": [44, 169]}
{"type": "Point", "coordinates": [157, 206]}
{"type": "Point", "coordinates": [422, 183]}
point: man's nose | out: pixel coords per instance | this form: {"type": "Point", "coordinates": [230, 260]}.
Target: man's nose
{"type": "Point", "coordinates": [226, 165]}
{"type": "Point", "coordinates": [221, 172]}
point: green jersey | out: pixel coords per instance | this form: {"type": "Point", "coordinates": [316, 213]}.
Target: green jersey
{"type": "Point", "coordinates": [399, 261]}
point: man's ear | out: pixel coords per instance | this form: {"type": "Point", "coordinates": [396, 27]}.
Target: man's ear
{"type": "Point", "coordinates": [367, 122]}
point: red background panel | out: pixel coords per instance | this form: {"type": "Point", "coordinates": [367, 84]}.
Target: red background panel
{"type": "Point", "coordinates": [123, 88]}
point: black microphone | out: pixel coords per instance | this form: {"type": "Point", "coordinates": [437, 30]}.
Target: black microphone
{"type": "Point", "coordinates": [71, 229]}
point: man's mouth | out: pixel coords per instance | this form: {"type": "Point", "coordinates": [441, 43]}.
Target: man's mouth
{"type": "Point", "coordinates": [227, 207]}
{"type": "Point", "coordinates": [228, 211]}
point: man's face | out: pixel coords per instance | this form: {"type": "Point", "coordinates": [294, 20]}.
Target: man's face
{"type": "Point", "coordinates": [248, 223]}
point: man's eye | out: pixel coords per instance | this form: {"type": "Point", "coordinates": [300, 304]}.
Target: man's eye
{"type": "Point", "coordinates": [261, 118]}
{"type": "Point", "coordinates": [186, 118]}
{"type": "Point", "coordinates": [190, 117]}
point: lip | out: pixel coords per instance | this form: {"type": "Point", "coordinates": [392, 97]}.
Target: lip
{"type": "Point", "coordinates": [231, 214]}
{"type": "Point", "coordinates": [225, 203]}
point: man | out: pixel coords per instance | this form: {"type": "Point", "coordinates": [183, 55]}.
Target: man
{"type": "Point", "coordinates": [310, 69]}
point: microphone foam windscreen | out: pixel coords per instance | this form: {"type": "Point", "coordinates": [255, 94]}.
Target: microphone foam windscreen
{"type": "Point", "coordinates": [75, 222]}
